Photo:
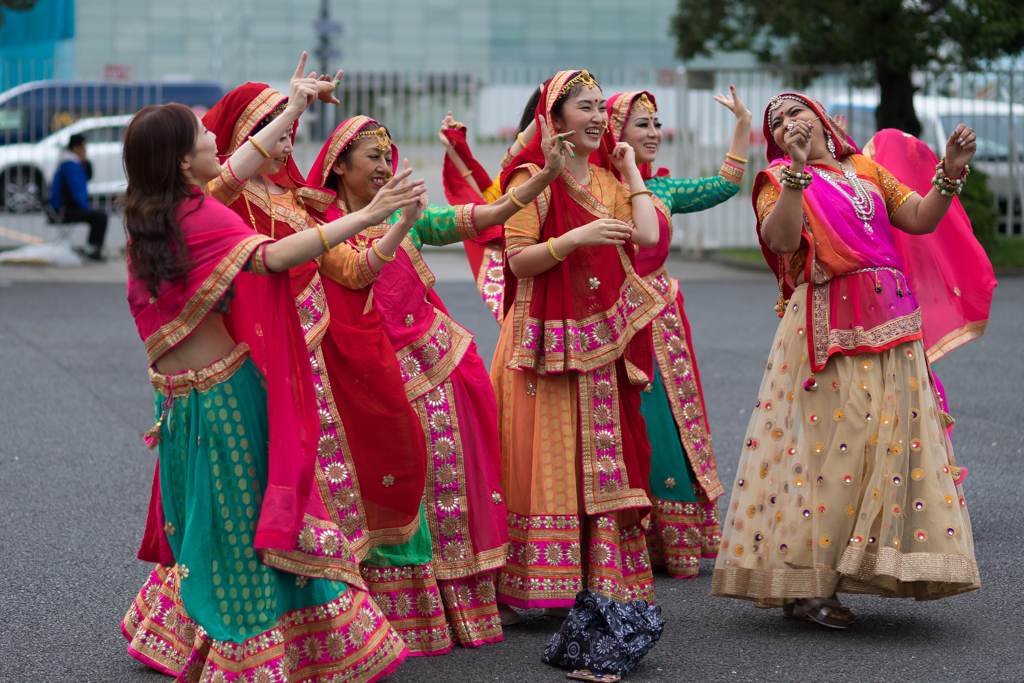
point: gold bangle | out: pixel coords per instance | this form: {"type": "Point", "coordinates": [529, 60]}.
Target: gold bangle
{"type": "Point", "coordinates": [638, 192]}
{"type": "Point", "coordinates": [467, 173]}
{"type": "Point", "coordinates": [515, 201]}
{"type": "Point", "coordinates": [323, 238]}
{"type": "Point", "coordinates": [259, 147]}
{"type": "Point", "coordinates": [382, 257]}
{"type": "Point", "coordinates": [735, 158]}
{"type": "Point", "coordinates": [551, 249]}
{"type": "Point", "coordinates": [519, 138]}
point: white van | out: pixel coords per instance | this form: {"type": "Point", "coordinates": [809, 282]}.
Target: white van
{"type": "Point", "coordinates": [939, 117]}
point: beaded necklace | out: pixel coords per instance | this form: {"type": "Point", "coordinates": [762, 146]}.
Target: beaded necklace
{"type": "Point", "coordinates": [863, 202]}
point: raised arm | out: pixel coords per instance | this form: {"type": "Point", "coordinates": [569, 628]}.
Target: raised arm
{"type": "Point", "coordinates": [921, 215]}
{"type": "Point", "coordinates": [308, 244]}
{"type": "Point", "coordinates": [460, 165]}
{"type": "Point", "coordinates": [645, 216]}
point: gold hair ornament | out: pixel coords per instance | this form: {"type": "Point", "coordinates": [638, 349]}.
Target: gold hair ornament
{"type": "Point", "coordinates": [644, 102]}
{"type": "Point", "coordinates": [381, 135]}
{"type": "Point", "coordinates": [583, 77]}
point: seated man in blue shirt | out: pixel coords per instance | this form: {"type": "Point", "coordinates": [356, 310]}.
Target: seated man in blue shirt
{"type": "Point", "coordinates": [69, 198]}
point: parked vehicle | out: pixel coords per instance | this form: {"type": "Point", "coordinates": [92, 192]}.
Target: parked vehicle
{"type": "Point", "coordinates": [26, 169]}
{"type": "Point", "coordinates": [998, 142]}
{"type": "Point", "coordinates": [31, 111]}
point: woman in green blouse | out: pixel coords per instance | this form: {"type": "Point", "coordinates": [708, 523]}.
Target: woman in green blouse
{"type": "Point", "coordinates": [684, 479]}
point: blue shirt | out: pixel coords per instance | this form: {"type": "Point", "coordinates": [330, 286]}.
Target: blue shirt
{"type": "Point", "coordinates": [69, 184]}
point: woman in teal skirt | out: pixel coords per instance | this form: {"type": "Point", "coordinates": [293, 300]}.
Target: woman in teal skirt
{"type": "Point", "coordinates": [236, 422]}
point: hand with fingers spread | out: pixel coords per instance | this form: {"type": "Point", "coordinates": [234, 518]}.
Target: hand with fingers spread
{"type": "Point", "coordinates": [840, 122]}
{"type": "Point", "coordinates": [325, 87]}
{"type": "Point", "coordinates": [395, 195]}
{"type": "Point", "coordinates": [412, 211]}
{"type": "Point", "coordinates": [301, 91]}
{"type": "Point", "coordinates": [960, 149]}
{"type": "Point", "coordinates": [601, 231]}
{"type": "Point", "coordinates": [555, 147]}
{"type": "Point", "coordinates": [734, 105]}
{"type": "Point", "coordinates": [798, 142]}
{"type": "Point", "coordinates": [623, 158]}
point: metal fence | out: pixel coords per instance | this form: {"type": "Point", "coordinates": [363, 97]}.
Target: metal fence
{"type": "Point", "coordinates": [698, 130]}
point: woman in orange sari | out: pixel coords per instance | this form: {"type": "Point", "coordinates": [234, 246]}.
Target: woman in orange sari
{"type": "Point", "coordinates": [574, 353]}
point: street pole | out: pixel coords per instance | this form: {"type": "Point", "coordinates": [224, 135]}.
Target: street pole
{"type": "Point", "coordinates": [326, 53]}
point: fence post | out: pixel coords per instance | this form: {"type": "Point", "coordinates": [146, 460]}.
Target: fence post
{"type": "Point", "coordinates": [1012, 159]}
{"type": "Point", "coordinates": [681, 139]}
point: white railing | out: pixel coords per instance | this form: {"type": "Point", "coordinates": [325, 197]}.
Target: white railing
{"type": "Point", "coordinates": [698, 130]}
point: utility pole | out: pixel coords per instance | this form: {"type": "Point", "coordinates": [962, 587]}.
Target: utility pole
{"type": "Point", "coordinates": [329, 57]}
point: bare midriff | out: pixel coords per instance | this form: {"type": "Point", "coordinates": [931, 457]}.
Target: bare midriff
{"type": "Point", "coordinates": [206, 344]}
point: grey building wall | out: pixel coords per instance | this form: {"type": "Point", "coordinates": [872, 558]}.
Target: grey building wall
{"type": "Point", "coordinates": [260, 39]}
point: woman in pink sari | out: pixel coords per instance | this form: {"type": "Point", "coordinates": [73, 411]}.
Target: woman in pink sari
{"type": "Point", "coordinates": [452, 597]}
{"type": "Point", "coordinates": [236, 426]}
{"type": "Point", "coordinates": [847, 481]}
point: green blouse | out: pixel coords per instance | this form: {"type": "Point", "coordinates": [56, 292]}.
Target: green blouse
{"type": "Point", "coordinates": [437, 226]}
{"type": "Point", "coordinates": [688, 195]}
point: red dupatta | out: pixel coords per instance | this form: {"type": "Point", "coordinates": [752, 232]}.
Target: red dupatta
{"type": "Point", "coordinates": [366, 385]}
{"type": "Point", "coordinates": [262, 316]}
{"type": "Point", "coordinates": [619, 107]}
{"type": "Point", "coordinates": [592, 307]}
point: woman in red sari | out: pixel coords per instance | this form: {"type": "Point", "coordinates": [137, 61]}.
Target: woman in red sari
{"type": "Point", "coordinates": [847, 481]}
{"type": "Point", "coordinates": [236, 427]}
{"type": "Point", "coordinates": [372, 488]}
{"type": "Point", "coordinates": [573, 356]}
{"type": "Point", "coordinates": [445, 380]}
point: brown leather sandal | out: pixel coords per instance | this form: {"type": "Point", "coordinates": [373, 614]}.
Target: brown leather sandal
{"type": "Point", "coordinates": [825, 611]}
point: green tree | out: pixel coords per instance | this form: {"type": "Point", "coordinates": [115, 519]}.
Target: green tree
{"type": "Point", "coordinates": [891, 36]}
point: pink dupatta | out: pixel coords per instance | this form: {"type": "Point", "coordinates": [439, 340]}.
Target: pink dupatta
{"type": "Point", "coordinates": [263, 316]}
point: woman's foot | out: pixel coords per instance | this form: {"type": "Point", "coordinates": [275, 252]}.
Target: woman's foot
{"type": "Point", "coordinates": [559, 612]}
{"type": "Point", "coordinates": [825, 611]}
{"type": "Point", "coordinates": [508, 615]}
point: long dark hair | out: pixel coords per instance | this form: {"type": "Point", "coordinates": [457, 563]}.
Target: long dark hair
{"type": "Point", "coordinates": [530, 110]}
{"type": "Point", "coordinates": [157, 140]}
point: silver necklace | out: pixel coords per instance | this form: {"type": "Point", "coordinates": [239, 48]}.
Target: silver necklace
{"type": "Point", "coordinates": [863, 202]}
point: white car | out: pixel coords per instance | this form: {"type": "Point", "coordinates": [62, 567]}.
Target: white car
{"type": "Point", "coordinates": [26, 169]}
{"type": "Point", "coordinates": [939, 117]}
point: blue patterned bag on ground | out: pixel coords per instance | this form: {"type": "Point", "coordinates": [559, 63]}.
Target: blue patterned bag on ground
{"type": "Point", "coordinates": [604, 635]}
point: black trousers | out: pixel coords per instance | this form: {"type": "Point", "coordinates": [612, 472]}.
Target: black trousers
{"type": "Point", "coordinates": [97, 221]}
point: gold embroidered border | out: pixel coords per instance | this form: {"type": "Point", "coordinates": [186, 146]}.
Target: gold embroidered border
{"type": "Point", "coordinates": [297, 221]}
{"type": "Point", "coordinates": [204, 299]}
{"type": "Point", "coordinates": [460, 339]}
{"type": "Point", "coordinates": [204, 378]}
{"type": "Point", "coordinates": [364, 272]}
{"type": "Point", "coordinates": [465, 225]}
{"type": "Point", "coordinates": [338, 141]}
{"type": "Point", "coordinates": [225, 188]}
{"type": "Point", "coordinates": [375, 655]}
{"type": "Point", "coordinates": [862, 566]}
{"type": "Point", "coordinates": [543, 200]}
{"type": "Point", "coordinates": [316, 197]}
{"type": "Point", "coordinates": [777, 584]}
{"type": "Point", "coordinates": [256, 111]}
{"type": "Point", "coordinates": [826, 339]}
{"type": "Point", "coordinates": [619, 114]}
{"type": "Point", "coordinates": [706, 472]}
{"type": "Point", "coordinates": [514, 245]}
{"type": "Point", "coordinates": [956, 338]}
{"type": "Point", "coordinates": [315, 334]}
{"type": "Point", "coordinates": [595, 502]}
{"type": "Point", "coordinates": [583, 196]}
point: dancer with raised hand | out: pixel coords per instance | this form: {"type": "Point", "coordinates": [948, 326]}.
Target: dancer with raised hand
{"type": "Point", "coordinates": [574, 352]}
{"type": "Point", "coordinates": [431, 602]}
{"type": "Point", "coordinates": [847, 480]}
{"type": "Point", "coordinates": [236, 429]}
{"type": "Point", "coordinates": [371, 500]}
{"type": "Point", "coordinates": [684, 477]}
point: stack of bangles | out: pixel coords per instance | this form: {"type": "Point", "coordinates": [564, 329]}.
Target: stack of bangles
{"type": "Point", "coordinates": [732, 171]}
{"type": "Point", "coordinates": [794, 180]}
{"type": "Point", "coordinates": [946, 185]}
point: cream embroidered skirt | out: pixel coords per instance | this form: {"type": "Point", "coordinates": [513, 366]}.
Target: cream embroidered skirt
{"type": "Point", "coordinates": [848, 487]}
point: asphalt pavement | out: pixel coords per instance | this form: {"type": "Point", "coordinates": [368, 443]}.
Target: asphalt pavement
{"type": "Point", "coordinates": [74, 485]}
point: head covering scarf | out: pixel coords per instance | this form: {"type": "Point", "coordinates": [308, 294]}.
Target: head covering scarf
{"type": "Point", "coordinates": [619, 108]}
{"type": "Point", "coordinates": [563, 323]}
{"type": "Point", "coordinates": [347, 131]}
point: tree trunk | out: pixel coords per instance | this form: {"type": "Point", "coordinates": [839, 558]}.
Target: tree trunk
{"type": "Point", "coordinates": [896, 106]}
